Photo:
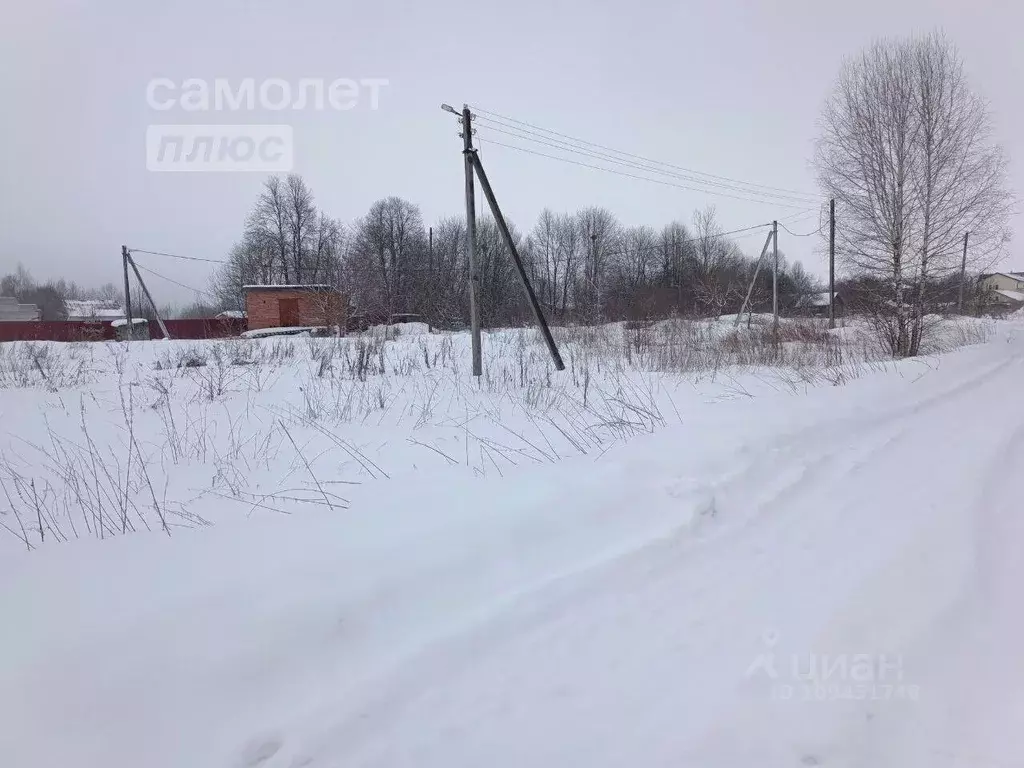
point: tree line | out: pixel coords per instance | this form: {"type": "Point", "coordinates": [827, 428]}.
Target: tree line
{"type": "Point", "coordinates": [585, 266]}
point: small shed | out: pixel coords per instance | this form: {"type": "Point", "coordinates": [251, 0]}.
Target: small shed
{"type": "Point", "coordinates": [139, 329]}
{"type": "Point", "coordinates": [293, 306]}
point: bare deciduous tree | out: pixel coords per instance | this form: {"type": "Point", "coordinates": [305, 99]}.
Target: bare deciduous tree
{"type": "Point", "coordinates": [599, 231]}
{"type": "Point", "coordinates": [715, 265]}
{"type": "Point", "coordinates": [906, 150]}
{"type": "Point", "coordinates": [444, 298]}
{"type": "Point", "coordinates": [542, 248]}
{"type": "Point", "coordinates": [677, 259]}
{"type": "Point", "coordinates": [301, 223]}
{"type": "Point", "coordinates": [802, 283]}
{"type": "Point", "coordinates": [390, 247]}
{"type": "Point", "coordinates": [286, 240]}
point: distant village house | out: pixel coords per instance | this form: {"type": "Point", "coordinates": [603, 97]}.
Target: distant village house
{"type": "Point", "coordinates": [93, 310]}
{"type": "Point", "coordinates": [12, 312]}
{"type": "Point", "coordinates": [1001, 291]}
{"type": "Point", "coordinates": [816, 305]}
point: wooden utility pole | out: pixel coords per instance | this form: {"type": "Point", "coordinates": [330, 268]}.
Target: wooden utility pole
{"type": "Point", "coordinates": [775, 277]}
{"type": "Point", "coordinates": [127, 294]}
{"type": "Point", "coordinates": [474, 276]}
{"type": "Point", "coordinates": [538, 313]}
{"type": "Point", "coordinates": [473, 164]}
{"type": "Point", "coordinates": [145, 290]}
{"type": "Point", "coordinates": [832, 263]}
{"type": "Point", "coordinates": [963, 277]}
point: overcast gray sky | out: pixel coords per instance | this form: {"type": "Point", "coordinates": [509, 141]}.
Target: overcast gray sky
{"type": "Point", "coordinates": [730, 87]}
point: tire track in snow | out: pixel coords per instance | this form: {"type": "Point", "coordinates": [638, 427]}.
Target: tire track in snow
{"type": "Point", "coordinates": [869, 733]}
{"type": "Point", "coordinates": [544, 602]}
{"type": "Point", "coordinates": [973, 666]}
{"type": "Point", "coordinates": [543, 605]}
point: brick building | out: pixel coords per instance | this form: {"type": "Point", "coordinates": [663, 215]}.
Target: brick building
{"type": "Point", "coordinates": [290, 306]}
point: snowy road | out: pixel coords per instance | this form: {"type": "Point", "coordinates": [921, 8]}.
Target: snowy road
{"type": "Point", "coordinates": [659, 606]}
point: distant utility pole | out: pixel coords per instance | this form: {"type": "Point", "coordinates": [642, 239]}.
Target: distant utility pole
{"type": "Point", "coordinates": [963, 277]}
{"type": "Point", "coordinates": [832, 263]}
{"type": "Point", "coordinates": [472, 162]}
{"type": "Point", "coordinates": [127, 294]}
{"type": "Point", "coordinates": [750, 288]}
{"type": "Point", "coordinates": [775, 278]}
{"type": "Point", "coordinates": [149, 297]}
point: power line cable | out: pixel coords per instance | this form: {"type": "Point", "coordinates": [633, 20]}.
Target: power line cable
{"type": "Point", "coordinates": [662, 246]}
{"type": "Point", "coordinates": [169, 280]}
{"type": "Point", "coordinates": [632, 175]}
{"type": "Point", "coordinates": [798, 216]}
{"type": "Point", "coordinates": [803, 217]}
{"type": "Point", "coordinates": [764, 198]}
{"type": "Point", "coordinates": [209, 261]}
{"type": "Point", "coordinates": [176, 256]}
{"type": "Point", "coordinates": [640, 157]}
{"type": "Point", "coordinates": [649, 166]}
{"type": "Point", "coordinates": [801, 234]}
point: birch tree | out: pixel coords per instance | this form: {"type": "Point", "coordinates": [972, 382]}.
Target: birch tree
{"type": "Point", "coordinates": [906, 150]}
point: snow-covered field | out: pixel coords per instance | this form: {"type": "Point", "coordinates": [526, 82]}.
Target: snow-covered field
{"type": "Point", "coordinates": [111, 439]}
{"type": "Point", "coordinates": [686, 549]}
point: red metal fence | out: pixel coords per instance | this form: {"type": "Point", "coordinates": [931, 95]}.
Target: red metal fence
{"type": "Point", "coordinates": [200, 328]}
{"type": "Point", "coordinates": [203, 328]}
{"type": "Point", "coordinates": [55, 331]}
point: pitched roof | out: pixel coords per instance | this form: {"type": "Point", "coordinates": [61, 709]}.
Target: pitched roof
{"type": "Point", "coordinates": [1011, 275]}
{"type": "Point", "coordinates": [100, 309]}
{"type": "Point", "coordinates": [1015, 296]}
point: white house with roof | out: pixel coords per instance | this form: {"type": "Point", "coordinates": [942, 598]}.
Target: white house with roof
{"type": "Point", "coordinates": [1002, 290]}
{"type": "Point", "coordinates": [13, 311]}
{"type": "Point", "coordinates": [93, 310]}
